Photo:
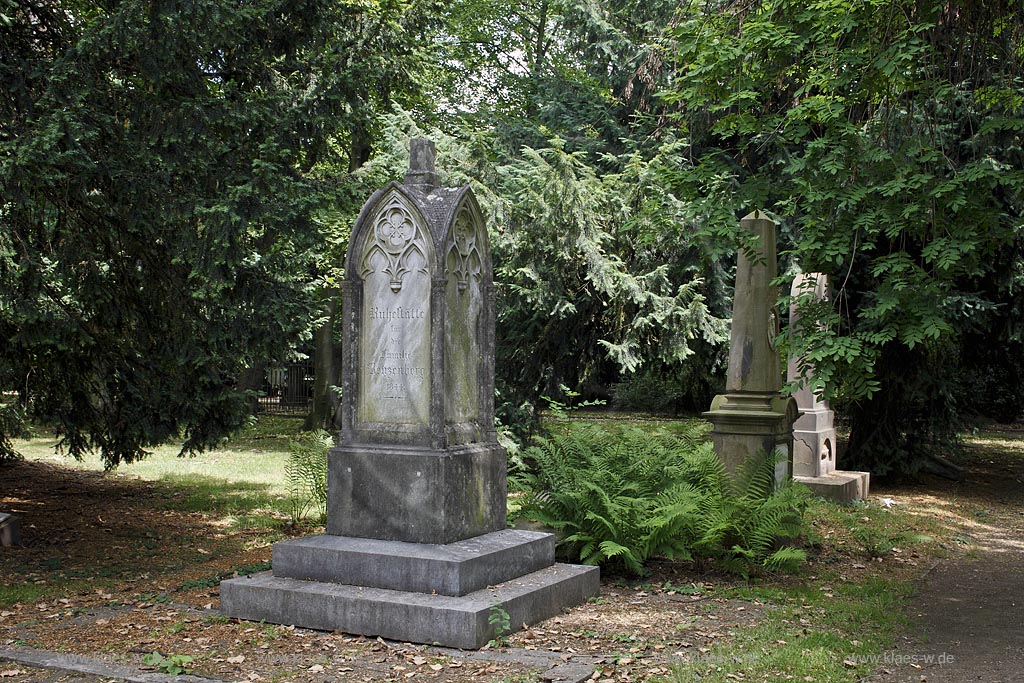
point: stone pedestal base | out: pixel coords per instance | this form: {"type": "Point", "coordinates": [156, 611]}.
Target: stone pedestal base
{"type": "Point", "coordinates": [422, 593]}
{"type": "Point", "coordinates": [839, 486]}
{"type": "Point", "coordinates": [749, 422]}
{"type": "Point", "coordinates": [10, 529]}
{"type": "Point", "coordinates": [814, 443]}
{"type": "Point", "coordinates": [418, 495]}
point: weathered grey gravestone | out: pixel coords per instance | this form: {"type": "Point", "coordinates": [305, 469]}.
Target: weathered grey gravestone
{"type": "Point", "coordinates": [417, 547]}
{"type": "Point", "coordinates": [814, 434]}
{"type": "Point", "coordinates": [752, 415]}
{"type": "Point", "coordinates": [10, 529]}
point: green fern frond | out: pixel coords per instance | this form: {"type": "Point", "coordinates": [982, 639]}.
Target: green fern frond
{"type": "Point", "coordinates": [306, 473]}
{"type": "Point", "coordinates": [785, 559]}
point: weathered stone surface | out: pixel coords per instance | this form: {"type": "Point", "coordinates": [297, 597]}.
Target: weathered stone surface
{"type": "Point", "coordinates": [840, 486]}
{"type": "Point", "coordinates": [453, 569]}
{"type": "Point", "coordinates": [752, 415]}
{"type": "Point", "coordinates": [418, 458]}
{"type": "Point", "coordinates": [418, 310]}
{"type": "Point", "coordinates": [415, 617]}
{"type": "Point", "coordinates": [394, 376]}
{"type": "Point", "coordinates": [753, 359]}
{"type": "Point", "coordinates": [416, 495]}
{"type": "Point", "coordinates": [814, 436]}
{"type": "Point", "coordinates": [10, 529]}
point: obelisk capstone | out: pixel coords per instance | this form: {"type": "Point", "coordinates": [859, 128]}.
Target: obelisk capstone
{"type": "Point", "coordinates": [416, 547]}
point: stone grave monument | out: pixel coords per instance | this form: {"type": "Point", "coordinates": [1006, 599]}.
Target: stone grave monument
{"type": "Point", "coordinates": [814, 434]}
{"type": "Point", "coordinates": [416, 547]}
{"type": "Point", "coordinates": [10, 529]}
{"type": "Point", "coordinates": [752, 415]}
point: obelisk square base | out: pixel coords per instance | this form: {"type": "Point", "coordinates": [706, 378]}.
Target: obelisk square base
{"type": "Point", "coordinates": [746, 423]}
{"type": "Point", "coordinates": [416, 494]}
{"type": "Point", "coordinates": [424, 593]}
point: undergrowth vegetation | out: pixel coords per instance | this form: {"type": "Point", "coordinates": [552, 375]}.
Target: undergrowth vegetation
{"type": "Point", "coordinates": [306, 470]}
{"type": "Point", "coordinates": [624, 497]}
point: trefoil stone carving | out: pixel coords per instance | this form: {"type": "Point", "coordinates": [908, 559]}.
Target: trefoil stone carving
{"type": "Point", "coordinates": [397, 241]}
{"type": "Point", "coordinates": [463, 258]}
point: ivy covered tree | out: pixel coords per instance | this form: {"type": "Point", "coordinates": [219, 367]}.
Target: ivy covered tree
{"type": "Point", "coordinates": [886, 138]}
{"type": "Point", "coordinates": [156, 233]}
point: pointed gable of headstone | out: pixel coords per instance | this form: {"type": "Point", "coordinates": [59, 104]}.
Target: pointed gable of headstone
{"type": "Point", "coordinates": [418, 305]}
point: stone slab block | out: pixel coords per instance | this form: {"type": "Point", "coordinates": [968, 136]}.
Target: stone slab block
{"type": "Point", "coordinates": [450, 621]}
{"type": "Point", "coordinates": [453, 569]}
{"type": "Point", "coordinates": [416, 495]}
{"type": "Point", "coordinates": [10, 529]}
{"type": "Point", "coordinates": [840, 486]}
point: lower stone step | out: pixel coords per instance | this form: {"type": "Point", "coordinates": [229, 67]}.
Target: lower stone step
{"type": "Point", "coordinates": [450, 621]}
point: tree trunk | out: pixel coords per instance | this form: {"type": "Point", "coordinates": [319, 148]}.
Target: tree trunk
{"type": "Point", "coordinates": [325, 372]}
{"type": "Point", "coordinates": [252, 380]}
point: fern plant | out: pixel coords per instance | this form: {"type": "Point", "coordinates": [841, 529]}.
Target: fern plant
{"type": "Point", "coordinates": [306, 471]}
{"type": "Point", "coordinates": [625, 497]}
{"type": "Point", "coordinates": [622, 497]}
{"type": "Point", "coordinates": [748, 524]}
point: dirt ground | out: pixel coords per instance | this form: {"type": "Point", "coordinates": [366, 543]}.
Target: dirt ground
{"type": "Point", "coordinates": [118, 571]}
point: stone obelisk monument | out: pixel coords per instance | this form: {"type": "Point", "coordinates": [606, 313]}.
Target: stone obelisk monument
{"type": "Point", "coordinates": [752, 415]}
{"type": "Point", "coordinates": [814, 434]}
{"type": "Point", "coordinates": [416, 547]}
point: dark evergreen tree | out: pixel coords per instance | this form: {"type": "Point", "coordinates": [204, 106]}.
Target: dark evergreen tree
{"type": "Point", "coordinates": [156, 231]}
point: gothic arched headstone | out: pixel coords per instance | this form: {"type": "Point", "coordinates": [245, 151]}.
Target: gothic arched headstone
{"type": "Point", "coordinates": [416, 547]}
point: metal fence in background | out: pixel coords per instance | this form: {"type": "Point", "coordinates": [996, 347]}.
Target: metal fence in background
{"type": "Point", "coordinates": [287, 389]}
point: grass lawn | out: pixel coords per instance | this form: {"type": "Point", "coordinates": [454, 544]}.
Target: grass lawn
{"type": "Point", "coordinates": [243, 480]}
{"type": "Point", "coordinates": [256, 456]}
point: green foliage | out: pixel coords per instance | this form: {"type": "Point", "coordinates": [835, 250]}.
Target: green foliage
{"type": "Point", "coordinates": [12, 423]}
{"type": "Point", "coordinates": [159, 232]}
{"type": "Point", "coordinates": [627, 496]}
{"type": "Point", "coordinates": [541, 111]}
{"type": "Point", "coordinates": [306, 470]}
{"type": "Point", "coordinates": [172, 665]}
{"type": "Point", "coordinates": [746, 524]}
{"type": "Point", "coordinates": [668, 390]}
{"type": "Point", "coordinates": [498, 618]}
{"type": "Point", "coordinates": [886, 138]}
